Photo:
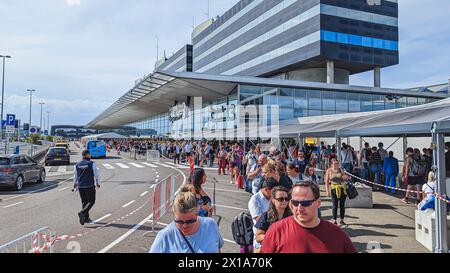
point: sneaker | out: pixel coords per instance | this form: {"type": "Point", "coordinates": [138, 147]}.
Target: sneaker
{"type": "Point", "coordinates": [405, 200]}
{"type": "Point", "coordinates": [334, 222]}
{"type": "Point", "coordinates": [89, 221]}
{"type": "Point", "coordinates": [82, 218]}
{"type": "Point", "coordinates": [343, 224]}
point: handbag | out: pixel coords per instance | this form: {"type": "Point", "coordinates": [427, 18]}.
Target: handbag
{"type": "Point", "coordinates": [351, 190]}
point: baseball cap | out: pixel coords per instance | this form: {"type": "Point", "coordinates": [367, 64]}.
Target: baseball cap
{"type": "Point", "coordinates": [85, 153]}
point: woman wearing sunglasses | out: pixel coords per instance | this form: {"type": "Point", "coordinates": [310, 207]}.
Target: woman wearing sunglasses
{"type": "Point", "coordinates": [338, 180]}
{"type": "Point", "coordinates": [279, 209]}
{"type": "Point", "coordinates": [188, 233]}
{"type": "Point", "coordinates": [198, 178]}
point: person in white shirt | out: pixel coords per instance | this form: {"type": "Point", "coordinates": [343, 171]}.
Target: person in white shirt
{"type": "Point", "coordinates": [259, 204]}
{"type": "Point", "coordinates": [346, 157]}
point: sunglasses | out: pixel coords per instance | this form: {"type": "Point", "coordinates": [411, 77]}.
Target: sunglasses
{"type": "Point", "coordinates": [305, 203]}
{"type": "Point", "coordinates": [188, 222]}
{"type": "Point", "coordinates": [286, 199]}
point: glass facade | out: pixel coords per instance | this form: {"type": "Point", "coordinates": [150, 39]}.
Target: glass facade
{"type": "Point", "coordinates": [297, 103]}
{"type": "Point", "coordinates": [292, 102]}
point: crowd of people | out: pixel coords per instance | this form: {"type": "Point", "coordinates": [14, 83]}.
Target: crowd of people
{"type": "Point", "coordinates": [286, 198]}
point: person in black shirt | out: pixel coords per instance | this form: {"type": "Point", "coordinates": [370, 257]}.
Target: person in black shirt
{"type": "Point", "coordinates": [284, 179]}
{"type": "Point", "coordinates": [279, 209]}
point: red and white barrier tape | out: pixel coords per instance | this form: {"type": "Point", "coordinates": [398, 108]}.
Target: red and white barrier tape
{"type": "Point", "coordinates": [49, 242]}
{"type": "Point", "coordinates": [440, 197]}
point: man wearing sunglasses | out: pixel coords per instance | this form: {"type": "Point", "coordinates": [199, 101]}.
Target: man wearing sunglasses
{"type": "Point", "coordinates": [305, 232]}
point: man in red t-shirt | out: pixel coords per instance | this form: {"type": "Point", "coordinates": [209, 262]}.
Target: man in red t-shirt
{"type": "Point", "coordinates": [305, 232]}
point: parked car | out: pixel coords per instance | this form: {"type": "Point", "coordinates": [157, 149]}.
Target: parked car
{"type": "Point", "coordinates": [16, 170]}
{"type": "Point", "coordinates": [57, 155]}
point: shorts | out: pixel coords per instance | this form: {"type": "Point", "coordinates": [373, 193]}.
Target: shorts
{"type": "Point", "coordinates": [232, 165]}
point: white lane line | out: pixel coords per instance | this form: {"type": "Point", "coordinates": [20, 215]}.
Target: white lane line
{"type": "Point", "coordinates": [157, 176]}
{"type": "Point", "coordinates": [228, 207]}
{"type": "Point", "coordinates": [124, 236]}
{"type": "Point", "coordinates": [101, 219]}
{"type": "Point", "coordinates": [108, 166]}
{"type": "Point", "coordinates": [127, 204]}
{"type": "Point", "coordinates": [63, 189]}
{"type": "Point", "coordinates": [13, 205]}
{"type": "Point", "coordinates": [150, 165]}
{"type": "Point", "coordinates": [167, 166]}
{"type": "Point", "coordinates": [137, 165]}
{"type": "Point", "coordinates": [144, 193]}
{"type": "Point", "coordinates": [39, 190]}
{"type": "Point", "coordinates": [123, 166]}
{"type": "Point", "coordinates": [131, 231]}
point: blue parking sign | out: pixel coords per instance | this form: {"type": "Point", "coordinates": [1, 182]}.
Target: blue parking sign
{"type": "Point", "coordinates": [10, 119]}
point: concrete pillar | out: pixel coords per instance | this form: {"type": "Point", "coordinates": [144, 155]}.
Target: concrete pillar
{"type": "Point", "coordinates": [377, 76]}
{"type": "Point", "coordinates": [330, 72]}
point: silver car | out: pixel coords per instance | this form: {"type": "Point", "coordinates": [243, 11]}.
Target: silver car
{"type": "Point", "coordinates": [16, 170]}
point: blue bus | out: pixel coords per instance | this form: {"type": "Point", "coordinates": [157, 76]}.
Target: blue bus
{"type": "Point", "coordinates": [97, 148]}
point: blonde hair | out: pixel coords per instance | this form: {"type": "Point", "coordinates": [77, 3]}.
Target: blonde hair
{"type": "Point", "coordinates": [270, 167]}
{"type": "Point", "coordinates": [185, 201]}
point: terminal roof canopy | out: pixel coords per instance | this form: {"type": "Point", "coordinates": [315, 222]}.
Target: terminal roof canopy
{"type": "Point", "coordinates": [159, 92]}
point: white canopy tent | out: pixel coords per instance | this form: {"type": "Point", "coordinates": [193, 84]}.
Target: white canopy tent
{"type": "Point", "coordinates": [431, 119]}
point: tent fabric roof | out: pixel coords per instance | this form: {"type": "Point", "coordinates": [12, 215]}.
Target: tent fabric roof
{"type": "Point", "coordinates": [411, 121]}
{"type": "Point", "coordinates": [108, 136]}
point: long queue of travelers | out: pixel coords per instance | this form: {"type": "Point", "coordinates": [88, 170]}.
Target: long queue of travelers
{"type": "Point", "coordinates": [284, 210]}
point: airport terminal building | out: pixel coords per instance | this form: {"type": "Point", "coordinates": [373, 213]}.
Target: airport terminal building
{"type": "Point", "coordinates": [296, 54]}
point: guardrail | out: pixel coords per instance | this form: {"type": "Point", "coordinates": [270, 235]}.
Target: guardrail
{"type": "Point", "coordinates": [33, 242]}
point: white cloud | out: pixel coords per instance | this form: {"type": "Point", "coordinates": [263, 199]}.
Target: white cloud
{"type": "Point", "coordinates": [73, 2]}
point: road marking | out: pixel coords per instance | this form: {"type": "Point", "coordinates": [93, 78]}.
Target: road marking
{"type": "Point", "coordinates": [157, 176]}
{"type": "Point", "coordinates": [63, 189]}
{"type": "Point", "coordinates": [228, 207]}
{"type": "Point", "coordinates": [123, 166]}
{"type": "Point", "coordinates": [127, 204]}
{"type": "Point", "coordinates": [137, 165]}
{"type": "Point", "coordinates": [150, 165]}
{"type": "Point", "coordinates": [13, 205]}
{"type": "Point", "coordinates": [39, 190]}
{"type": "Point", "coordinates": [131, 231]}
{"type": "Point", "coordinates": [144, 193]}
{"type": "Point", "coordinates": [62, 169]}
{"type": "Point", "coordinates": [167, 166]}
{"type": "Point", "coordinates": [101, 219]}
{"type": "Point", "coordinates": [108, 166]}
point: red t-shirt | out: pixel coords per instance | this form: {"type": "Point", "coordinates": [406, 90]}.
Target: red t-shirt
{"type": "Point", "coordinates": [287, 236]}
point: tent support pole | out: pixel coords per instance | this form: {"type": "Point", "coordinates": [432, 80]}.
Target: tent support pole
{"type": "Point", "coordinates": [441, 207]}
{"type": "Point", "coordinates": [338, 150]}
{"type": "Point", "coordinates": [393, 144]}
{"type": "Point", "coordinates": [301, 143]}
{"type": "Point", "coordinates": [405, 145]}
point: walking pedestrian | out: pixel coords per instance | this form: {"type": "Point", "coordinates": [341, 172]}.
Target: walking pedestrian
{"type": "Point", "coordinates": [86, 178]}
{"type": "Point", "coordinates": [336, 187]}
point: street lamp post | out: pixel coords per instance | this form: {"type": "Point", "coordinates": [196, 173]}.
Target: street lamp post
{"type": "Point", "coordinates": [48, 123]}
{"type": "Point", "coordinates": [40, 125]}
{"type": "Point", "coordinates": [3, 88]}
{"type": "Point", "coordinates": [31, 96]}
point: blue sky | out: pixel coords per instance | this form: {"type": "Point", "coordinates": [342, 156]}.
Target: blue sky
{"type": "Point", "coordinates": [81, 55]}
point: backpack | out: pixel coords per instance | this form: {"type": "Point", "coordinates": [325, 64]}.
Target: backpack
{"type": "Point", "coordinates": [419, 167]}
{"type": "Point", "coordinates": [242, 229]}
